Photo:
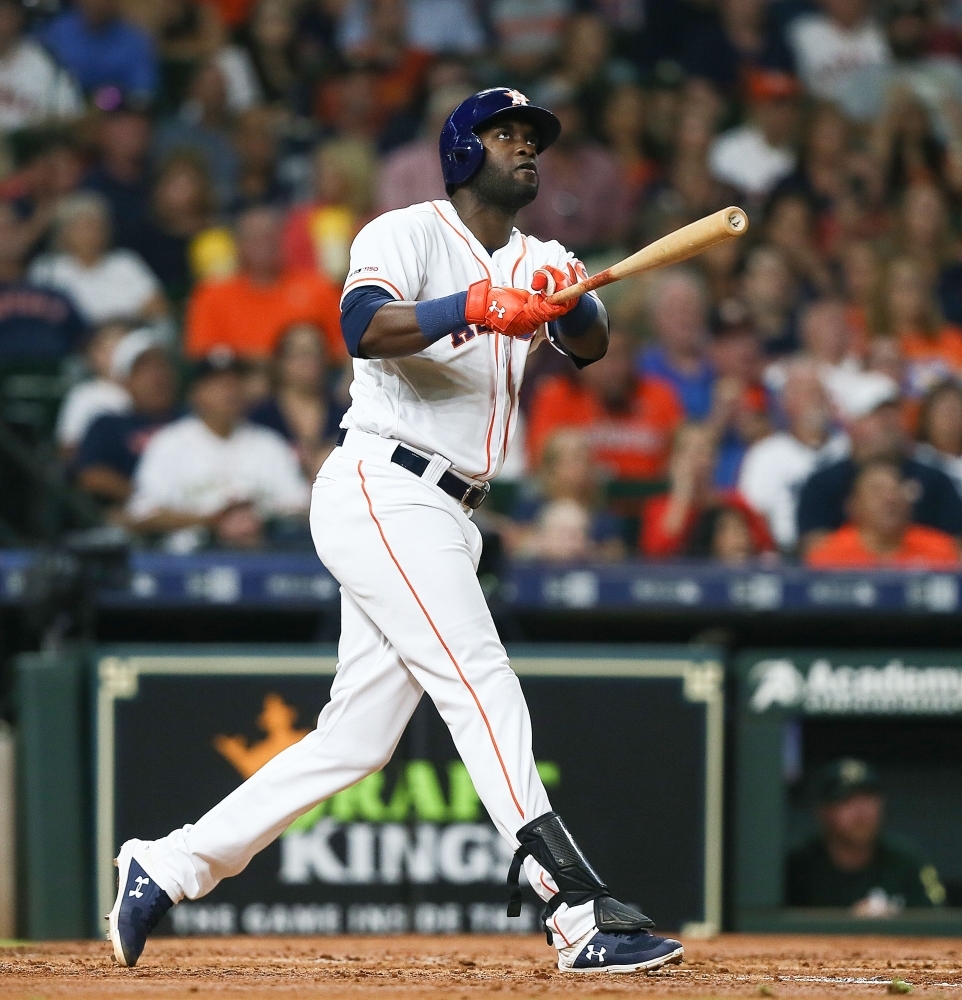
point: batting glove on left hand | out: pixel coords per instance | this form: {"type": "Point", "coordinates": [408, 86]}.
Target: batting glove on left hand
{"type": "Point", "coordinates": [546, 281]}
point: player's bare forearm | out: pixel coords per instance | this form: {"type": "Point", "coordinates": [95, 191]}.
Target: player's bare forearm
{"type": "Point", "coordinates": [393, 333]}
{"type": "Point", "coordinates": [591, 345]}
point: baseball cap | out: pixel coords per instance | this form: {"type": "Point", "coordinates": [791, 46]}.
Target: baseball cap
{"type": "Point", "coordinates": [771, 85]}
{"type": "Point", "coordinates": [219, 361]}
{"type": "Point", "coordinates": [867, 393]}
{"type": "Point", "coordinates": [131, 348]}
{"type": "Point", "coordinates": [844, 778]}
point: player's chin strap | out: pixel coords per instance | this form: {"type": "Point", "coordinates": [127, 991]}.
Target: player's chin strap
{"type": "Point", "coordinates": [547, 840]}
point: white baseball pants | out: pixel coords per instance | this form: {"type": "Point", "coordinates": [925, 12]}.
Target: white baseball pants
{"type": "Point", "coordinates": [414, 619]}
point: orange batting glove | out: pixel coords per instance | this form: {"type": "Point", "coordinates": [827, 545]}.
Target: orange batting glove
{"type": "Point", "coordinates": [546, 281]}
{"type": "Point", "coordinates": [500, 309]}
{"type": "Point", "coordinates": [517, 313]}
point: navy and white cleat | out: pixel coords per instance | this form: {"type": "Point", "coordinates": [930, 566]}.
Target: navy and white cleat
{"type": "Point", "coordinates": [138, 908]}
{"type": "Point", "coordinates": [636, 951]}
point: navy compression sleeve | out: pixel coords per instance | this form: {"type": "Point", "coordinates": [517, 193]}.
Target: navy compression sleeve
{"type": "Point", "coordinates": [357, 311]}
{"type": "Point", "coordinates": [575, 324]}
{"type": "Point", "coordinates": [580, 320]}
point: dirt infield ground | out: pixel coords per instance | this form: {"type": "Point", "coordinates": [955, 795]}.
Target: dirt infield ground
{"type": "Point", "coordinates": [473, 968]}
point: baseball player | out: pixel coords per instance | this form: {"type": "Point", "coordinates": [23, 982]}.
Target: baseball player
{"type": "Point", "coordinates": [443, 303]}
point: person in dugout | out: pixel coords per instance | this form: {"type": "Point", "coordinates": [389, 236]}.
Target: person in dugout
{"type": "Point", "coordinates": [850, 862]}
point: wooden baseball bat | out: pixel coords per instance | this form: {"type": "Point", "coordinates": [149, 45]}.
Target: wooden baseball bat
{"type": "Point", "coordinates": [671, 249]}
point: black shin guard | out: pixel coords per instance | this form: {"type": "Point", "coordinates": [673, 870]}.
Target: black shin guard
{"type": "Point", "coordinates": [547, 840]}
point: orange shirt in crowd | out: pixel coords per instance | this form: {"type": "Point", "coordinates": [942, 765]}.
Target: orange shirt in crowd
{"type": "Point", "coordinates": [656, 543]}
{"type": "Point", "coordinates": [921, 547]}
{"type": "Point", "coordinates": [633, 445]}
{"type": "Point", "coordinates": [233, 12]}
{"type": "Point", "coordinates": [249, 318]}
{"type": "Point", "coordinates": [930, 359]}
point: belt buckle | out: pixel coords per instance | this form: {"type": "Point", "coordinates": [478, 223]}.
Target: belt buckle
{"type": "Point", "coordinates": [484, 490]}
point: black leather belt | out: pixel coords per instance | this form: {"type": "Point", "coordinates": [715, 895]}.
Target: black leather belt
{"type": "Point", "coordinates": [466, 493]}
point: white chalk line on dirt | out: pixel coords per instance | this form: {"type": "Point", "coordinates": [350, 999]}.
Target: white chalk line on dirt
{"type": "Point", "coordinates": [844, 980]}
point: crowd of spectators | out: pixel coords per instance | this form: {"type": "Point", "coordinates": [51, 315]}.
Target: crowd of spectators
{"type": "Point", "coordinates": [181, 180]}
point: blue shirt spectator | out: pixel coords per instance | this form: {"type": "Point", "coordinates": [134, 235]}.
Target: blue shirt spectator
{"type": "Point", "coordinates": [731, 451]}
{"type": "Point", "coordinates": [111, 448]}
{"type": "Point", "coordinates": [679, 356]}
{"type": "Point", "coordinates": [122, 174]}
{"type": "Point", "coordinates": [117, 440]}
{"type": "Point", "coordinates": [101, 49]}
{"type": "Point", "coordinates": [821, 505]}
{"type": "Point", "coordinates": [37, 323]}
{"type": "Point", "coordinates": [694, 388]}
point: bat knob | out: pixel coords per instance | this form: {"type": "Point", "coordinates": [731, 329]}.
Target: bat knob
{"type": "Point", "coordinates": [549, 283]}
{"type": "Point", "coordinates": [736, 221]}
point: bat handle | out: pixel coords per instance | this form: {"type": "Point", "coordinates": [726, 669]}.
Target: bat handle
{"type": "Point", "coordinates": [573, 291]}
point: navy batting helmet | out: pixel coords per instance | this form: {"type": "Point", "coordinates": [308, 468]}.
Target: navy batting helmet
{"type": "Point", "coordinates": [461, 151]}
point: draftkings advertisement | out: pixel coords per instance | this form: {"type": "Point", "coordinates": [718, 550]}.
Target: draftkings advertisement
{"type": "Point", "coordinates": [625, 758]}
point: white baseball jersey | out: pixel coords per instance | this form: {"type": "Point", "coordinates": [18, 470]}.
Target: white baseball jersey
{"type": "Point", "coordinates": [459, 397]}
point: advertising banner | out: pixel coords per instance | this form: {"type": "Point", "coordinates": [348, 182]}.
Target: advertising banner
{"type": "Point", "coordinates": [629, 747]}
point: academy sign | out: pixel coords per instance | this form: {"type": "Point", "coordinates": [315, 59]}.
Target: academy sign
{"type": "Point", "coordinates": [830, 686]}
